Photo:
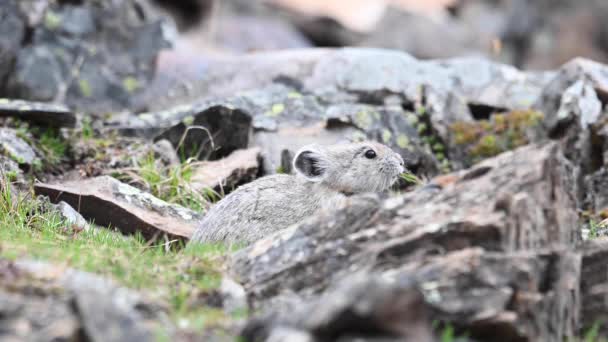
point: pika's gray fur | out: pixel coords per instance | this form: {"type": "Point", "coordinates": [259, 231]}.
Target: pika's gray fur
{"type": "Point", "coordinates": [326, 175]}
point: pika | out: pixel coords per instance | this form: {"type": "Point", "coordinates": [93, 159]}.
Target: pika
{"type": "Point", "coordinates": [325, 177]}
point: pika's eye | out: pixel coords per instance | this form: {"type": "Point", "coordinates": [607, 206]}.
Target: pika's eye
{"type": "Point", "coordinates": [370, 154]}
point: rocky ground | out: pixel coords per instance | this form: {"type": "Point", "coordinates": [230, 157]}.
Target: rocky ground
{"type": "Point", "coordinates": [110, 157]}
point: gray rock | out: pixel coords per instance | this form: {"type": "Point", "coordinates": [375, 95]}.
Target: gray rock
{"type": "Point", "coordinates": [287, 335]}
{"type": "Point", "coordinates": [287, 119]}
{"type": "Point", "coordinates": [300, 90]}
{"type": "Point", "coordinates": [593, 285]}
{"type": "Point", "coordinates": [36, 65]}
{"type": "Point", "coordinates": [12, 31]}
{"type": "Point", "coordinates": [102, 320]}
{"type": "Point", "coordinates": [211, 133]}
{"type": "Point", "coordinates": [270, 107]}
{"type": "Point", "coordinates": [581, 102]}
{"type": "Point", "coordinates": [596, 185]}
{"type": "Point", "coordinates": [46, 114]}
{"type": "Point", "coordinates": [108, 202]}
{"type": "Point", "coordinates": [543, 34]}
{"type": "Point", "coordinates": [31, 318]}
{"type": "Point", "coordinates": [69, 304]}
{"type": "Point", "coordinates": [573, 78]}
{"type": "Point", "coordinates": [503, 204]}
{"type": "Point", "coordinates": [498, 86]}
{"type": "Point", "coordinates": [71, 42]}
{"type": "Point", "coordinates": [164, 150]}
{"type": "Point", "coordinates": [224, 175]}
{"type": "Point", "coordinates": [481, 206]}
{"type": "Point", "coordinates": [572, 103]}
{"type": "Point", "coordinates": [72, 216]}
{"type": "Point", "coordinates": [234, 297]}
{"type": "Point", "coordinates": [470, 288]}
{"type": "Point", "coordinates": [412, 32]}
{"type": "Point", "coordinates": [290, 139]}
{"type": "Point", "coordinates": [532, 35]}
{"type": "Point", "coordinates": [10, 169]}
{"type": "Point", "coordinates": [16, 148]}
{"type": "Point", "coordinates": [244, 33]}
{"type": "Point", "coordinates": [363, 305]}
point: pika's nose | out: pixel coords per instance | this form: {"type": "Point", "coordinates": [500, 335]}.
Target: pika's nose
{"type": "Point", "coordinates": [401, 163]}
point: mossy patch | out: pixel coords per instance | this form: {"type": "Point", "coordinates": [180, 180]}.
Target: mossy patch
{"type": "Point", "coordinates": [376, 115]}
{"type": "Point", "coordinates": [503, 132]}
{"type": "Point", "coordinates": [87, 131]}
{"type": "Point", "coordinates": [276, 110]}
{"type": "Point", "coordinates": [386, 136]}
{"type": "Point", "coordinates": [130, 84]}
{"type": "Point", "coordinates": [487, 146]}
{"type": "Point", "coordinates": [52, 20]}
{"type": "Point", "coordinates": [53, 146]}
{"type": "Point", "coordinates": [411, 119]}
{"type": "Point", "coordinates": [85, 88]}
{"type": "Point", "coordinates": [403, 141]}
{"type": "Point", "coordinates": [188, 120]}
{"type": "Point", "coordinates": [421, 128]}
{"type": "Point", "coordinates": [363, 119]}
{"type": "Point", "coordinates": [294, 95]}
{"type": "Point", "coordinates": [358, 136]}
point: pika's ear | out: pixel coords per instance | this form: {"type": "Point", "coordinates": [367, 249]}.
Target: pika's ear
{"type": "Point", "coordinates": [311, 164]}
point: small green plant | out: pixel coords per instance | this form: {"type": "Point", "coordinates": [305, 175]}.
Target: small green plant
{"type": "Point", "coordinates": [130, 84]}
{"type": "Point", "coordinates": [447, 332]}
{"type": "Point", "coordinates": [448, 335]}
{"type": "Point", "coordinates": [53, 146]}
{"type": "Point", "coordinates": [410, 178]}
{"type": "Point", "coordinates": [593, 334]}
{"type": "Point", "coordinates": [52, 20]}
{"type": "Point", "coordinates": [11, 175]}
{"type": "Point", "coordinates": [169, 183]}
{"type": "Point", "coordinates": [594, 229]}
{"type": "Point", "coordinates": [487, 138]}
{"type": "Point", "coordinates": [87, 129]}
{"type": "Point", "coordinates": [190, 153]}
{"type": "Point", "coordinates": [85, 88]}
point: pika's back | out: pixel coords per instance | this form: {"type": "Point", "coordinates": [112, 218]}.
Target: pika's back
{"type": "Point", "coordinates": [326, 175]}
{"type": "Point", "coordinates": [258, 209]}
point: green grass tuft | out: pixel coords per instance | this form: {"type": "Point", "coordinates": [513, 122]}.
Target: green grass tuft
{"type": "Point", "coordinates": [169, 183]}
{"type": "Point", "coordinates": [182, 279]}
{"type": "Point", "coordinates": [53, 146]}
{"type": "Point", "coordinates": [410, 178]}
{"type": "Point", "coordinates": [593, 334]}
{"type": "Point", "coordinates": [87, 129]}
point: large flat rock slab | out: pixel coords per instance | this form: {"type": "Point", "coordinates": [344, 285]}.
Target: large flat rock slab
{"type": "Point", "coordinates": [491, 247]}
{"type": "Point", "coordinates": [520, 200]}
{"type": "Point", "coordinates": [108, 202]}
{"type": "Point", "coordinates": [38, 112]}
{"type": "Point", "coordinates": [225, 174]}
{"type": "Point", "coordinates": [483, 295]}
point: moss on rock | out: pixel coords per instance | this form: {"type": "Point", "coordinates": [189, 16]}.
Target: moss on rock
{"type": "Point", "coordinates": [503, 132]}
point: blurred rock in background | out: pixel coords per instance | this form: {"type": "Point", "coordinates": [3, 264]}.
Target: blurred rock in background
{"type": "Point", "coordinates": [528, 34]}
